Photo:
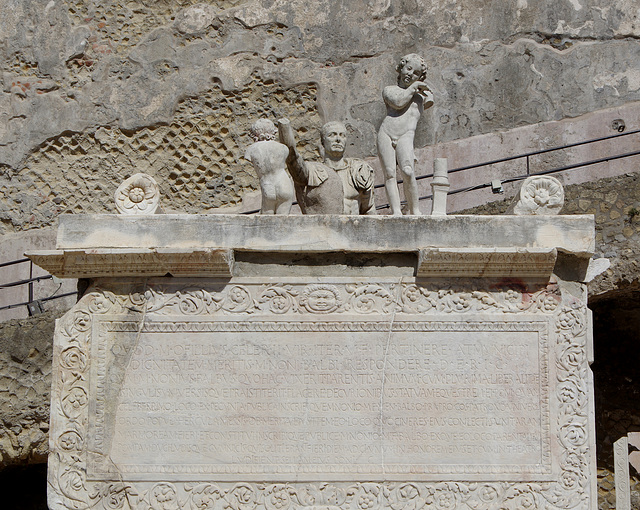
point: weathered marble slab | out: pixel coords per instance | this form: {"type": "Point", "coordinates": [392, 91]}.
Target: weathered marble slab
{"type": "Point", "coordinates": [207, 246]}
{"type": "Point", "coordinates": [392, 364]}
{"type": "Point", "coordinates": [398, 392]}
{"type": "Point", "coordinates": [573, 234]}
{"type": "Point", "coordinates": [355, 398]}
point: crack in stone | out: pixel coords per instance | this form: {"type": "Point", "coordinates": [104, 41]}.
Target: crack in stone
{"type": "Point", "coordinates": [384, 366]}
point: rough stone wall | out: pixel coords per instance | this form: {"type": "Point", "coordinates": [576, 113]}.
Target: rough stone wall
{"type": "Point", "coordinates": [195, 158]}
{"type": "Point", "coordinates": [25, 382]}
{"type": "Point", "coordinates": [94, 90]}
{"type": "Point", "coordinates": [616, 206]}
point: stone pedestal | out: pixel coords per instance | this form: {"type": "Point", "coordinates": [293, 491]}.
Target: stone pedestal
{"type": "Point", "coordinates": [229, 362]}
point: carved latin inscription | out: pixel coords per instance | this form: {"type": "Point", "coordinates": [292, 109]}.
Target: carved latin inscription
{"type": "Point", "coordinates": [347, 399]}
{"type": "Point", "coordinates": [98, 341]}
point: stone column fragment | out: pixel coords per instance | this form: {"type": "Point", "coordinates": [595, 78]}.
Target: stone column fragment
{"type": "Point", "coordinates": [621, 462]}
{"type": "Point", "coordinates": [440, 187]}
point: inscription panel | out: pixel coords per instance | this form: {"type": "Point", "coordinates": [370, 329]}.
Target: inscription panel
{"type": "Point", "coordinates": [321, 400]}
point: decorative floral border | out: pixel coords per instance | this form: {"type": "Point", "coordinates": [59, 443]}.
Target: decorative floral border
{"type": "Point", "coordinates": [69, 488]}
{"type": "Point", "coordinates": [328, 298]}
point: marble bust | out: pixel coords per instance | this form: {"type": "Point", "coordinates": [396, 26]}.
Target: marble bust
{"type": "Point", "coordinates": [337, 185]}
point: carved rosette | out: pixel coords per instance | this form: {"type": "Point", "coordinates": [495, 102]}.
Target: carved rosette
{"type": "Point", "coordinates": [69, 487]}
{"type": "Point", "coordinates": [139, 194]}
{"type": "Point", "coordinates": [540, 195]}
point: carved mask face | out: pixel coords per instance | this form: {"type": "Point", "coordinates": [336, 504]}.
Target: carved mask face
{"type": "Point", "coordinates": [322, 300]}
{"type": "Point", "coordinates": [334, 139]}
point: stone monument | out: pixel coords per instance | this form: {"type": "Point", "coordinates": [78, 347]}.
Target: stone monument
{"type": "Point", "coordinates": [323, 362]}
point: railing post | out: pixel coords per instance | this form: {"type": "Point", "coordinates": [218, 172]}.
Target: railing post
{"type": "Point", "coordinates": [30, 283]}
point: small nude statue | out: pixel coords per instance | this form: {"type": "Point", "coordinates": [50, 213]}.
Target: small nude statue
{"type": "Point", "coordinates": [269, 160]}
{"type": "Point", "coordinates": [405, 103]}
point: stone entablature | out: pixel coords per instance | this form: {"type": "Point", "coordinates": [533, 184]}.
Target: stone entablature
{"type": "Point", "coordinates": [183, 245]}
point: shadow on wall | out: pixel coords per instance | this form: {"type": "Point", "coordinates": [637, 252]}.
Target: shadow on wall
{"type": "Point", "coordinates": [616, 370]}
{"type": "Point", "coordinates": [24, 487]}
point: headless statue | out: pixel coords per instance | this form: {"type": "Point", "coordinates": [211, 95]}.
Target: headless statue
{"type": "Point", "coordinates": [269, 157]}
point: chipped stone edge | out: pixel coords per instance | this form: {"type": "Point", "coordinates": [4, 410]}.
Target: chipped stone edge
{"type": "Point", "coordinates": [135, 262]}
{"type": "Point", "coordinates": [486, 262]}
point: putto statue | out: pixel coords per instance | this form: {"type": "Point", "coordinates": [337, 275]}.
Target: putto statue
{"type": "Point", "coordinates": [269, 160]}
{"type": "Point", "coordinates": [338, 185]}
{"type": "Point", "coordinates": [405, 103]}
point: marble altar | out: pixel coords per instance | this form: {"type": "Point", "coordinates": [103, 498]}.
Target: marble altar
{"type": "Point", "coordinates": [323, 362]}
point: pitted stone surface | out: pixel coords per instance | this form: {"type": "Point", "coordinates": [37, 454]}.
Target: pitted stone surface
{"type": "Point", "coordinates": [25, 378]}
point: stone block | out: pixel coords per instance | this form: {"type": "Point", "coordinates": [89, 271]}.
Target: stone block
{"type": "Point", "coordinates": [301, 391]}
{"type": "Point", "coordinates": [331, 233]}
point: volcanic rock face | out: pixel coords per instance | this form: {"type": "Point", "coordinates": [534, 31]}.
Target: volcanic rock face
{"type": "Point", "coordinates": [25, 375]}
{"type": "Point", "coordinates": [92, 89]}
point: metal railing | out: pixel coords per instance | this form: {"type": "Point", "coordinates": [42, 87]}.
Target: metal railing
{"type": "Point", "coordinates": [34, 306]}
{"type": "Point", "coordinates": [527, 156]}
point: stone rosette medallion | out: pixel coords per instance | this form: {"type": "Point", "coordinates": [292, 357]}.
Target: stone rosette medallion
{"type": "Point", "coordinates": [336, 392]}
{"type": "Point", "coordinates": [540, 194]}
{"type": "Point", "coordinates": [139, 194]}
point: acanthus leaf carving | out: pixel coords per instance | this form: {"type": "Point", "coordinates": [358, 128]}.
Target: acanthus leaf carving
{"type": "Point", "coordinates": [369, 298]}
{"type": "Point", "coordinates": [279, 299]}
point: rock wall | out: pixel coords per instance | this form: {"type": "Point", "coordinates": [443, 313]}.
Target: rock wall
{"type": "Point", "coordinates": [95, 90]}
{"type": "Point", "coordinates": [25, 379]}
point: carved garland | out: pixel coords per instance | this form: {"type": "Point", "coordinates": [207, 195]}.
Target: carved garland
{"type": "Point", "coordinates": [69, 488]}
{"type": "Point", "coordinates": [324, 298]}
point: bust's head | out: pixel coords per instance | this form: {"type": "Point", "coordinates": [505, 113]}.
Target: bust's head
{"type": "Point", "coordinates": [263, 129]}
{"type": "Point", "coordinates": [411, 67]}
{"type": "Point", "coordinates": [334, 138]}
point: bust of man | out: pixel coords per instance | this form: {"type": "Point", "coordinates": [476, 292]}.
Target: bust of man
{"type": "Point", "coordinates": [337, 185]}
